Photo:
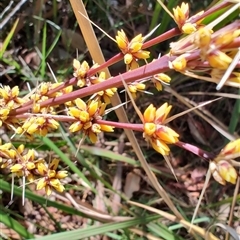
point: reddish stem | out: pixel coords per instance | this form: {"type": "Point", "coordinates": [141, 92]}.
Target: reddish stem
{"type": "Point", "coordinates": [167, 35]}
{"type": "Point", "coordinates": [131, 126]}
{"type": "Point", "coordinates": [155, 67]}
{"type": "Point", "coordinates": [196, 150]}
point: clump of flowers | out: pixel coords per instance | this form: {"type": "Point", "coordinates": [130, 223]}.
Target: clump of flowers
{"type": "Point", "coordinates": [132, 50]}
{"type": "Point", "coordinates": [222, 167]}
{"type": "Point", "coordinates": [181, 17]}
{"type": "Point", "coordinates": [200, 53]}
{"type": "Point", "coordinates": [155, 131]}
{"type": "Point", "coordinates": [24, 163]}
{"type": "Point", "coordinates": [86, 117]}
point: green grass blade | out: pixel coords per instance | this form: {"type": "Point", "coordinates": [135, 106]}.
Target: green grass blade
{"type": "Point", "coordinates": [235, 116]}
{"type": "Point", "coordinates": [217, 14]}
{"type": "Point", "coordinates": [8, 39]}
{"type": "Point", "coordinates": [15, 225]}
{"type": "Point", "coordinates": [6, 187]}
{"type": "Point", "coordinates": [89, 166]}
{"type": "Point", "coordinates": [43, 57]}
{"type": "Point", "coordinates": [95, 230]}
{"type": "Point", "coordinates": [116, 157]}
{"type": "Point", "coordinates": [166, 18]}
{"type": "Point", "coordinates": [161, 230]}
{"type": "Point", "coordinates": [55, 41]}
{"type": "Point", "coordinates": [155, 17]}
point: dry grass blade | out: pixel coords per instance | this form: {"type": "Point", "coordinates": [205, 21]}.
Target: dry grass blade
{"type": "Point", "coordinates": [147, 168]}
{"type": "Point", "coordinates": [194, 229]}
{"type": "Point", "coordinates": [229, 70]}
{"type": "Point", "coordinates": [231, 215]}
{"type": "Point", "coordinates": [208, 176]}
{"type": "Point", "coordinates": [97, 56]}
{"type": "Point", "coordinates": [213, 121]}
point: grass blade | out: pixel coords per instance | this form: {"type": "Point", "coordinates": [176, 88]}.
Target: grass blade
{"type": "Point", "coordinates": [15, 225]}
{"type": "Point", "coordinates": [8, 39]}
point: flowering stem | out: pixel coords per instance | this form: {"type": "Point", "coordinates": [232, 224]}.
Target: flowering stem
{"type": "Point", "coordinates": [196, 150]}
{"type": "Point", "coordinates": [167, 35]}
{"type": "Point", "coordinates": [155, 67]}
{"type": "Point", "coordinates": [131, 126]}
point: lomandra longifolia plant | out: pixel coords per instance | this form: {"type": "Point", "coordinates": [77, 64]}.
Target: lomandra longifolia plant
{"type": "Point", "coordinates": [201, 52]}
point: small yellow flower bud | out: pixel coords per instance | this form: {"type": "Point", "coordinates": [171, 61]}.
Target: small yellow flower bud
{"type": "Point", "coordinates": [84, 116]}
{"type": "Point", "coordinates": [128, 58]}
{"type": "Point", "coordinates": [41, 184]}
{"type": "Point", "coordinates": [188, 28]}
{"type": "Point", "coordinates": [160, 147]}
{"type": "Point", "coordinates": [181, 14]}
{"type": "Point", "coordinates": [140, 86]}
{"type": "Point", "coordinates": [16, 168]}
{"type": "Point", "coordinates": [227, 171]}
{"type": "Point", "coordinates": [54, 164]}
{"type": "Point", "coordinates": [203, 37]}
{"type": "Point", "coordinates": [77, 126]}
{"type": "Point", "coordinates": [179, 64]}
{"type": "Point", "coordinates": [106, 128]}
{"type": "Point", "coordinates": [219, 60]}
{"type": "Point", "coordinates": [61, 174]}
{"type": "Point", "coordinates": [96, 128]}
{"type": "Point", "coordinates": [149, 128]}
{"type": "Point", "coordinates": [80, 104]}
{"type": "Point", "coordinates": [149, 114]}
{"type": "Point", "coordinates": [122, 40]}
{"type": "Point", "coordinates": [93, 106]}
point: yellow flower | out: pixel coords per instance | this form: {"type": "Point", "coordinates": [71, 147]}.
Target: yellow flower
{"type": "Point", "coordinates": [188, 28]}
{"type": "Point", "coordinates": [219, 60]}
{"type": "Point", "coordinates": [179, 64]}
{"type": "Point", "coordinates": [231, 148]}
{"type": "Point", "coordinates": [86, 117]}
{"type": "Point", "coordinates": [105, 94]}
{"type": "Point", "coordinates": [122, 40]}
{"type": "Point", "coordinates": [224, 38]}
{"type": "Point", "coordinates": [181, 14]}
{"type": "Point", "coordinates": [135, 87]}
{"type": "Point", "coordinates": [227, 171]}
{"type": "Point", "coordinates": [155, 132]}
{"type": "Point", "coordinates": [160, 78]}
{"type": "Point", "coordinates": [50, 177]}
{"type": "Point", "coordinates": [80, 72]}
{"type": "Point", "coordinates": [132, 50]}
{"type": "Point", "coordinates": [221, 167]}
{"type": "Point", "coordinates": [223, 172]}
{"type": "Point", "coordinates": [10, 97]}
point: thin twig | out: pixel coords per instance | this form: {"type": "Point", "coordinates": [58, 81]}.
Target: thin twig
{"type": "Point", "coordinates": [17, 7]}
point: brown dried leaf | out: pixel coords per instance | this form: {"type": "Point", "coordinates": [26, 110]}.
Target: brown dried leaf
{"type": "Point", "coordinates": [132, 183]}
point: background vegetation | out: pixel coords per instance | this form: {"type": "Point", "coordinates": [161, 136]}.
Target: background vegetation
{"type": "Point", "coordinates": [103, 177]}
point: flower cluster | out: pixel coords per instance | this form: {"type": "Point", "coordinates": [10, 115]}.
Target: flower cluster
{"type": "Point", "coordinates": [132, 50]}
{"type": "Point", "coordinates": [86, 117]}
{"type": "Point", "coordinates": [181, 17]}
{"type": "Point", "coordinates": [9, 100]}
{"type": "Point", "coordinates": [200, 50]}
{"type": "Point", "coordinates": [222, 168]}
{"type": "Point", "coordinates": [207, 51]}
{"type": "Point", "coordinates": [155, 131]}
{"type": "Point", "coordinates": [80, 72]}
{"type": "Point", "coordinates": [24, 163]}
